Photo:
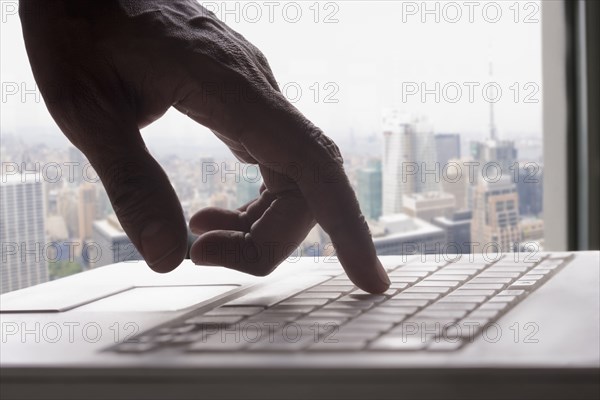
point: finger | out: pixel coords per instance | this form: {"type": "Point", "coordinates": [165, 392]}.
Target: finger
{"type": "Point", "coordinates": [272, 238]}
{"type": "Point", "coordinates": [99, 120]}
{"type": "Point", "coordinates": [281, 138]}
{"type": "Point", "coordinates": [276, 134]}
{"type": "Point", "coordinates": [213, 218]}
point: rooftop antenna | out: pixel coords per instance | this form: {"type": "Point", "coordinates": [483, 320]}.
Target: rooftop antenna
{"type": "Point", "coordinates": [493, 135]}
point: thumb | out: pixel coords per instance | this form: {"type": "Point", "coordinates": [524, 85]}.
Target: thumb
{"type": "Point", "coordinates": [145, 204]}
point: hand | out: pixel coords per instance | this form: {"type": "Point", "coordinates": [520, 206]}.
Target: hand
{"type": "Point", "coordinates": [107, 69]}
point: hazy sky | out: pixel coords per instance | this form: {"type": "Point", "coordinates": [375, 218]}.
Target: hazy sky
{"type": "Point", "coordinates": [364, 59]}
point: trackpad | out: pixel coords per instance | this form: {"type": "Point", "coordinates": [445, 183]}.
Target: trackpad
{"type": "Point", "coordinates": [158, 298]}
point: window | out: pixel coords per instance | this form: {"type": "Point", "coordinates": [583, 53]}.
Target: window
{"type": "Point", "coordinates": [452, 89]}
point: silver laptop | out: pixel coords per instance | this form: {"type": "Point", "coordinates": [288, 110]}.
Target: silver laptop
{"type": "Point", "coordinates": [501, 326]}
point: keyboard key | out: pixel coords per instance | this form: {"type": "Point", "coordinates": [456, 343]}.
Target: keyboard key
{"type": "Point", "coordinates": [494, 306]}
{"type": "Point", "coordinates": [403, 279]}
{"type": "Point", "coordinates": [426, 289]}
{"type": "Point", "coordinates": [304, 302]}
{"type": "Point", "coordinates": [398, 286]}
{"type": "Point", "coordinates": [311, 321]}
{"type": "Point", "coordinates": [358, 326]}
{"type": "Point", "coordinates": [214, 320]}
{"type": "Point", "coordinates": [273, 316]}
{"type": "Point", "coordinates": [349, 312]}
{"type": "Point", "coordinates": [452, 306]}
{"type": "Point", "coordinates": [460, 298]}
{"type": "Point", "coordinates": [401, 273]}
{"type": "Point", "coordinates": [450, 314]}
{"type": "Point", "coordinates": [418, 268]}
{"type": "Point", "coordinates": [318, 295]}
{"type": "Point", "coordinates": [361, 295]}
{"type": "Point", "coordinates": [395, 302]}
{"type": "Point", "coordinates": [473, 292]}
{"type": "Point", "coordinates": [457, 271]}
{"type": "Point", "coordinates": [507, 268]}
{"type": "Point", "coordinates": [358, 304]}
{"type": "Point", "coordinates": [339, 282]}
{"type": "Point", "coordinates": [533, 277]}
{"type": "Point", "coordinates": [331, 288]}
{"type": "Point", "coordinates": [512, 292]}
{"type": "Point", "coordinates": [491, 280]}
{"type": "Point", "coordinates": [393, 310]}
{"type": "Point", "coordinates": [502, 299]}
{"type": "Point", "coordinates": [485, 286]}
{"type": "Point", "coordinates": [236, 311]}
{"type": "Point", "coordinates": [447, 277]}
{"type": "Point", "coordinates": [427, 282]}
{"type": "Point", "coordinates": [291, 308]}
{"type": "Point", "coordinates": [416, 296]}
{"type": "Point", "coordinates": [499, 274]}
{"type": "Point", "coordinates": [283, 289]}
{"type": "Point", "coordinates": [523, 284]}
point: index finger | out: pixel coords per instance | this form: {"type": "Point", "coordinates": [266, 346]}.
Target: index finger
{"type": "Point", "coordinates": [281, 138]}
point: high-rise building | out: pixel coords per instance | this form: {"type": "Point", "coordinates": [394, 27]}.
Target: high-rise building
{"type": "Point", "coordinates": [447, 147]}
{"type": "Point", "coordinates": [401, 234]}
{"type": "Point", "coordinates": [22, 232]}
{"type": "Point", "coordinates": [409, 159]}
{"type": "Point", "coordinates": [531, 189]}
{"type": "Point", "coordinates": [86, 209]}
{"type": "Point", "coordinates": [502, 152]}
{"type": "Point", "coordinates": [532, 230]}
{"type": "Point", "coordinates": [496, 216]}
{"type": "Point", "coordinates": [68, 208]}
{"type": "Point", "coordinates": [429, 205]}
{"type": "Point", "coordinates": [78, 163]}
{"type": "Point", "coordinates": [110, 244]}
{"type": "Point", "coordinates": [456, 180]}
{"type": "Point", "coordinates": [369, 189]}
{"type": "Point", "coordinates": [458, 231]}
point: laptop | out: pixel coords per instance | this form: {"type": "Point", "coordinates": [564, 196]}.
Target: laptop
{"type": "Point", "coordinates": [453, 326]}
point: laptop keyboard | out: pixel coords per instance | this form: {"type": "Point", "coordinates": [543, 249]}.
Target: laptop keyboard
{"type": "Point", "coordinates": [431, 306]}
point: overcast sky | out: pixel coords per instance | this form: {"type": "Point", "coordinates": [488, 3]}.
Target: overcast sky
{"type": "Point", "coordinates": [364, 58]}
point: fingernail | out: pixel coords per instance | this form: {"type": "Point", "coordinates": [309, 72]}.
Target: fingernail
{"type": "Point", "coordinates": [383, 276]}
{"type": "Point", "coordinates": [158, 243]}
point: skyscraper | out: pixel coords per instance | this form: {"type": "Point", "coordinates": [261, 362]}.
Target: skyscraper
{"type": "Point", "coordinates": [496, 216]}
{"type": "Point", "coordinates": [456, 180]}
{"type": "Point", "coordinates": [447, 147]}
{"type": "Point", "coordinates": [22, 232]}
{"type": "Point", "coordinates": [429, 205]}
{"type": "Point", "coordinates": [86, 210]}
{"type": "Point", "coordinates": [369, 190]}
{"type": "Point", "coordinates": [110, 244]}
{"type": "Point", "coordinates": [502, 152]}
{"type": "Point", "coordinates": [409, 159]}
{"type": "Point", "coordinates": [458, 231]}
{"type": "Point", "coordinates": [531, 190]}
{"type": "Point", "coordinates": [402, 234]}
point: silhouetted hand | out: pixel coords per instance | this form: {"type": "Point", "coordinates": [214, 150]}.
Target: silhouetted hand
{"type": "Point", "coordinates": [108, 68]}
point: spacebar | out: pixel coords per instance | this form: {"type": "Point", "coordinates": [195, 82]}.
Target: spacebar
{"type": "Point", "coordinates": [277, 291]}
